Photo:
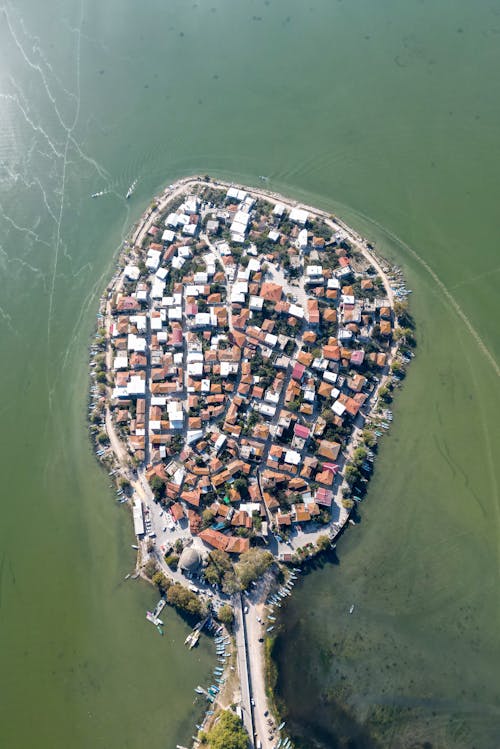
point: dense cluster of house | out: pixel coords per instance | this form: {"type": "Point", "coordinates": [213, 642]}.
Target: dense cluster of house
{"type": "Point", "coordinates": [244, 338]}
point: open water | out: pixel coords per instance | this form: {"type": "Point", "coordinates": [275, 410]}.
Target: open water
{"type": "Point", "coordinates": [386, 113]}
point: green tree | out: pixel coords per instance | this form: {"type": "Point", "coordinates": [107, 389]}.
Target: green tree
{"type": "Point", "coordinates": [207, 518]}
{"type": "Point", "coordinates": [172, 560]}
{"type": "Point", "coordinates": [161, 582]}
{"type": "Point", "coordinates": [125, 484]}
{"type": "Point", "coordinates": [184, 599]}
{"type": "Point", "coordinates": [228, 733]}
{"type": "Point", "coordinates": [218, 564]}
{"type": "Point", "coordinates": [323, 543]}
{"type": "Point", "coordinates": [230, 583]}
{"type": "Point", "coordinates": [103, 438]}
{"type": "Point", "coordinates": [252, 565]}
{"type": "Point", "coordinates": [385, 394]}
{"type": "Point", "coordinates": [157, 487]}
{"type": "Point", "coordinates": [150, 568]}
{"type": "Point", "coordinates": [225, 614]}
{"type": "Point", "coordinates": [369, 438]}
{"type": "Point", "coordinates": [351, 474]}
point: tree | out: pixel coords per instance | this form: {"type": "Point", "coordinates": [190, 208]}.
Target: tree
{"type": "Point", "coordinates": [402, 312]}
{"type": "Point", "coordinates": [125, 485]}
{"type": "Point", "coordinates": [385, 394]}
{"type": "Point", "coordinates": [218, 564]}
{"type": "Point", "coordinates": [172, 560]}
{"type": "Point", "coordinates": [161, 582]}
{"type": "Point", "coordinates": [150, 568]}
{"type": "Point", "coordinates": [351, 474]}
{"type": "Point", "coordinates": [207, 517]}
{"type": "Point", "coordinates": [103, 438]}
{"type": "Point", "coordinates": [225, 614]}
{"type": "Point", "coordinates": [230, 583]}
{"type": "Point", "coordinates": [369, 438]}
{"type": "Point", "coordinates": [323, 543]}
{"type": "Point", "coordinates": [157, 487]}
{"type": "Point", "coordinates": [228, 733]}
{"type": "Point", "coordinates": [252, 565]}
{"type": "Point", "coordinates": [184, 599]}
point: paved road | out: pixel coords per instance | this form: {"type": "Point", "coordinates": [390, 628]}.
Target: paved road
{"type": "Point", "coordinates": [254, 631]}
{"type": "Point", "coordinates": [241, 655]}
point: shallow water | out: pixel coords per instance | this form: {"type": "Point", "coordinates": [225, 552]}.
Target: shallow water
{"type": "Point", "coordinates": [382, 112]}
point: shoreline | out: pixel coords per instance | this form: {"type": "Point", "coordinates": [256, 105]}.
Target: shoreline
{"type": "Point", "coordinates": [131, 478]}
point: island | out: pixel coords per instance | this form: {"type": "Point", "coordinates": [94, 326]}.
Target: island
{"type": "Point", "coordinates": [243, 369]}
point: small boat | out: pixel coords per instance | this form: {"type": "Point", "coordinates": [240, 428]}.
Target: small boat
{"type": "Point", "coordinates": [127, 576]}
{"type": "Point", "coordinates": [131, 189]}
{"type": "Point", "coordinates": [351, 609]}
{"type": "Point", "coordinates": [134, 547]}
{"type": "Point", "coordinates": [281, 725]}
{"type": "Point", "coordinates": [158, 627]}
{"type": "Point", "coordinates": [263, 178]}
{"type": "Point", "coordinates": [199, 690]}
{"type": "Point", "coordinates": [98, 194]}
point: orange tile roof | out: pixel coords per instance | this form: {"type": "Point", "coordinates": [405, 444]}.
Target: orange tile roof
{"type": "Point", "coordinates": [271, 292]}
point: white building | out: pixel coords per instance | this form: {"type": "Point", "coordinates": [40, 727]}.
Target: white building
{"type": "Point", "coordinates": [168, 236]}
{"type": "Point", "coordinates": [138, 517]}
{"type": "Point", "coordinates": [136, 387]}
{"type": "Point", "coordinates": [153, 260]}
{"type": "Point", "coordinates": [299, 216]}
{"type": "Point", "coordinates": [131, 272]}
{"type": "Point", "coordinates": [302, 240]}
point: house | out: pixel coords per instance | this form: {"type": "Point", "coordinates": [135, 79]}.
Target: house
{"type": "Point", "coordinates": [299, 216]}
{"type": "Point", "coordinates": [328, 449]}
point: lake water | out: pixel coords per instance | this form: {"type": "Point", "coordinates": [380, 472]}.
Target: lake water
{"type": "Point", "coordinates": [385, 113]}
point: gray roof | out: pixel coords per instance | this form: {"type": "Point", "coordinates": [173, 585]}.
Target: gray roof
{"type": "Point", "coordinates": [190, 559]}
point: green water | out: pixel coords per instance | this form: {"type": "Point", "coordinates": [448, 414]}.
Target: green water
{"type": "Point", "coordinates": [386, 113]}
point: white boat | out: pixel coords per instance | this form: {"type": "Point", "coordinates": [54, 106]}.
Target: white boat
{"type": "Point", "coordinates": [199, 690]}
{"type": "Point", "coordinates": [135, 547]}
{"type": "Point", "coordinates": [351, 609]}
{"type": "Point", "coordinates": [98, 194]}
{"type": "Point", "coordinates": [131, 189]}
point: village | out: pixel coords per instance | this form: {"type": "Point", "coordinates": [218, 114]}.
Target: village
{"type": "Point", "coordinates": [247, 341]}
{"type": "Point", "coordinates": [251, 346]}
